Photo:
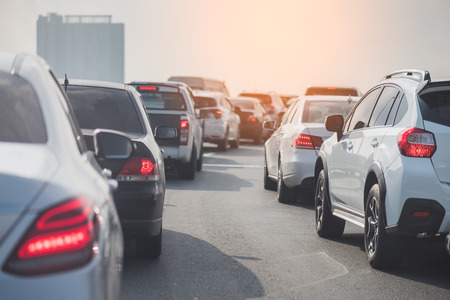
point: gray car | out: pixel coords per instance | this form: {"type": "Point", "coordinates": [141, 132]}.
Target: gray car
{"type": "Point", "coordinates": [60, 235]}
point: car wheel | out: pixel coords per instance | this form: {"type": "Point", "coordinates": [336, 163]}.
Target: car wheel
{"type": "Point", "coordinates": [187, 171]}
{"type": "Point", "coordinates": [223, 144]}
{"type": "Point", "coordinates": [200, 159]}
{"type": "Point", "coordinates": [149, 247]}
{"type": "Point", "coordinates": [269, 184]}
{"type": "Point", "coordinates": [235, 143]}
{"type": "Point", "coordinates": [327, 225]}
{"type": "Point", "coordinates": [285, 194]}
{"type": "Point", "coordinates": [383, 250]}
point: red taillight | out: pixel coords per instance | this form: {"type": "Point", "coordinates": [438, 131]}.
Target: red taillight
{"type": "Point", "coordinates": [62, 238]}
{"type": "Point", "coordinates": [217, 113]}
{"type": "Point", "coordinates": [252, 118]}
{"type": "Point", "coordinates": [304, 141]}
{"type": "Point", "coordinates": [415, 142]}
{"type": "Point", "coordinates": [184, 132]}
{"type": "Point", "coordinates": [147, 88]}
{"type": "Point", "coordinates": [272, 105]}
{"type": "Point", "coordinates": [421, 214]}
{"type": "Point", "coordinates": [137, 166]}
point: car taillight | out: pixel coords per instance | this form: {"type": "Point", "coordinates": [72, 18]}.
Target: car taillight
{"type": "Point", "coordinates": [304, 141]}
{"type": "Point", "coordinates": [251, 118]}
{"type": "Point", "coordinates": [64, 237]}
{"type": "Point", "coordinates": [217, 113]}
{"type": "Point", "coordinates": [139, 168]}
{"type": "Point", "coordinates": [184, 132]}
{"type": "Point", "coordinates": [415, 142]}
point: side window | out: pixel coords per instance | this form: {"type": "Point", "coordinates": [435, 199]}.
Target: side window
{"type": "Point", "coordinates": [384, 106]}
{"type": "Point", "coordinates": [288, 114]}
{"type": "Point", "coordinates": [402, 109]}
{"type": "Point", "coordinates": [362, 112]}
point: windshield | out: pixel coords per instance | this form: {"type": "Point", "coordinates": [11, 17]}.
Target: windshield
{"type": "Point", "coordinates": [264, 98]}
{"type": "Point", "coordinates": [243, 104]}
{"type": "Point", "coordinates": [21, 119]}
{"type": "Point", "coordinates": [317, 111]}
{"type": "Point", "coordinates": [97, 107]}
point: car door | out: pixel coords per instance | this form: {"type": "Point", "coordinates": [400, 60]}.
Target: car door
{"type": "Point", "coordinates": [371, 139]}
{"type": "Point", "coordinates": [343, 157]}
{"type": "Point", "coordinates": [273, 144]}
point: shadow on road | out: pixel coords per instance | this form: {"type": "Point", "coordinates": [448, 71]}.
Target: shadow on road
{"type": "Point", "coordinates": [189, 268]}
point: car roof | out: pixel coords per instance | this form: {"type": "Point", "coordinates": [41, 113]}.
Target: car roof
{"type": "Point", "coordinates": [165, 83]}
{"type": "Point", "coordinates": [211, 94]}
{"type": "Point", "coordinates": [244, 98]}
{"type": "Point", "coordinates": [329, 98]}
{"type": "Point", "coordinates": [96, 83]}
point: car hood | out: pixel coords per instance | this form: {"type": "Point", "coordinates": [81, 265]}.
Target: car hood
{"type": "Point", "coordinates": [24, 171]}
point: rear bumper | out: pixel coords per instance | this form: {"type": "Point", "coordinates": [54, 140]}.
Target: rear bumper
{"type": "Point", "coordinates": [140, 206]}
{"type": "Point", "coordinates": [298, 168]}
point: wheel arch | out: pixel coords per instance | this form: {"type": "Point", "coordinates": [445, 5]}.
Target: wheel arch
{"type": "Point", "coordinates": [375, 176]}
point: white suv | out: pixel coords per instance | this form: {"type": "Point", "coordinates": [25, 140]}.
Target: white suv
{"type": "Point", "coordinates": [222, 125]}
{"type": "Point", "coordinates": [387, 168]}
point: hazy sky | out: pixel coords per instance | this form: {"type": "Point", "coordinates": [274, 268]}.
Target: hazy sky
{"type": "Point", "coordinates": [281, 45]}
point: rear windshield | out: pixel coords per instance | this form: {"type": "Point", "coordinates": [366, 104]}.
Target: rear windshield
{"type": "Point", "coordinates": [264, 98]}
{"type": "Point", "coordinates": [201, 102]}
{"type": "Point", "coordinates": [435, 107]}
{"type": "Point", "coordinates": [21, 119]}
{"type": "Point", "coordinates": [331, 91]}
{"type": "Point", "coordinates": [97, 107]}
{"type": "Point", "coordinates": [243, 104]}
{"type": "Point", "coordinates": [163, 100]}
{"type": "Point", "coordinates": [317, 111]}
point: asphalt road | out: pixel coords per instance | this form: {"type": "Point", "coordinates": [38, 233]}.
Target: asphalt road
{"type": "Point", "coordinates": [225, 237]}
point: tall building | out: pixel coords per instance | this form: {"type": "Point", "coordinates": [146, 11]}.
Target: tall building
{"type": "Point", "coordinates": [82, 46]}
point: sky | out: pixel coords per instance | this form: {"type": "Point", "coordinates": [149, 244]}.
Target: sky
{"type": "Point", "coordinates": [264, 45]}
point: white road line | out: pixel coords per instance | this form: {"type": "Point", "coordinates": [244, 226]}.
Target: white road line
{"type": "Point", "coordinates": [232, 166]}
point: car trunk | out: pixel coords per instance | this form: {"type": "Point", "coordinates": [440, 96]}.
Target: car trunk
{"type": "Point", "coordinates": [22, 177]}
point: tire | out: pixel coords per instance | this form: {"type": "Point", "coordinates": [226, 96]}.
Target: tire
{"type": "Point", "coordinates": [187, 171]}
{"type": "Point", "coordinates": [327, 225]}
{"type": "Point", "coordinates": [223, 144]}
{"type": "Point", "coordinates": [382, 250]}
{"type": "Point", "coordinates": [285, 194]}
{"type": "Point", "coordinates": [200, 159]}
{"type": "Point", "coordinates": [269, 184]}
{"type": "Point", "coordinates": [149, 247]}
{"type": "Point", "coordinates": [235, 143]}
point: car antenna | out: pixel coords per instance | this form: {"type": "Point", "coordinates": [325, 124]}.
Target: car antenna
{"type": "Point", "coordinates": [66, 82]}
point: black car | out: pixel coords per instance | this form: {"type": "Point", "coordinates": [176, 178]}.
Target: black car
{"type": "Point", "coordinates": [252, 115]}
{"type": "Point", "coordinates": [272, 103]}
{"type": "Point", "coordinates": [139, 197]}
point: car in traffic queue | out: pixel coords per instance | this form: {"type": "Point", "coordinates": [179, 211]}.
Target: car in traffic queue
{"type": "Point", "coordinates": [387, 169]}
{"type": "Point", "coordinates": [172, 104]}
{"type": "Point", "coordinates": [221, 124]}
{"type": "Point", "coordinates": [60, 235]}
{"type": "Point", "coordinates": [291, 152]}
{"type": "Point", "coordinates": [139, 197]}
{"type": "Point", "coordinates": [252, 115]}
{"type": "Point", "coordinates": [202, 83]}
{"type": "Point", "coordinates": [272, 103]}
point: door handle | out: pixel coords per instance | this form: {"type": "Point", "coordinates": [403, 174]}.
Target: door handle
{"type": "Point", "coordinates": [350, 146]}
{"type": "Point", "coordinates": [374, 143]}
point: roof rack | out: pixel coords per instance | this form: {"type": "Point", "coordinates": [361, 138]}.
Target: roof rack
{"type": "Point", "coordinates": [414, 74]}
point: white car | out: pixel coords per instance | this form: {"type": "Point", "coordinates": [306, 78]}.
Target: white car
{"type": "Point", "coordinates": [60, 234]}
{"type": "Point", "coordinates": [387, 168]}
{"type": "Point", "coordinates": [291, 152]}
{"type": "Point", "coordinates": [222, 125]}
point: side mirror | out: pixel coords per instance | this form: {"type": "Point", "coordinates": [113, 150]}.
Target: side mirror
{"type": "Point", "coordinates": [111, 144]}
{"type": "Point", "coordinates": [335, 123]}
{"type": "Point", "coordinates": [204, 114]}
{"type": "Point", "coordinates": [165, 132]}
{"type": "Point", "coordinates": [269, 125]}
